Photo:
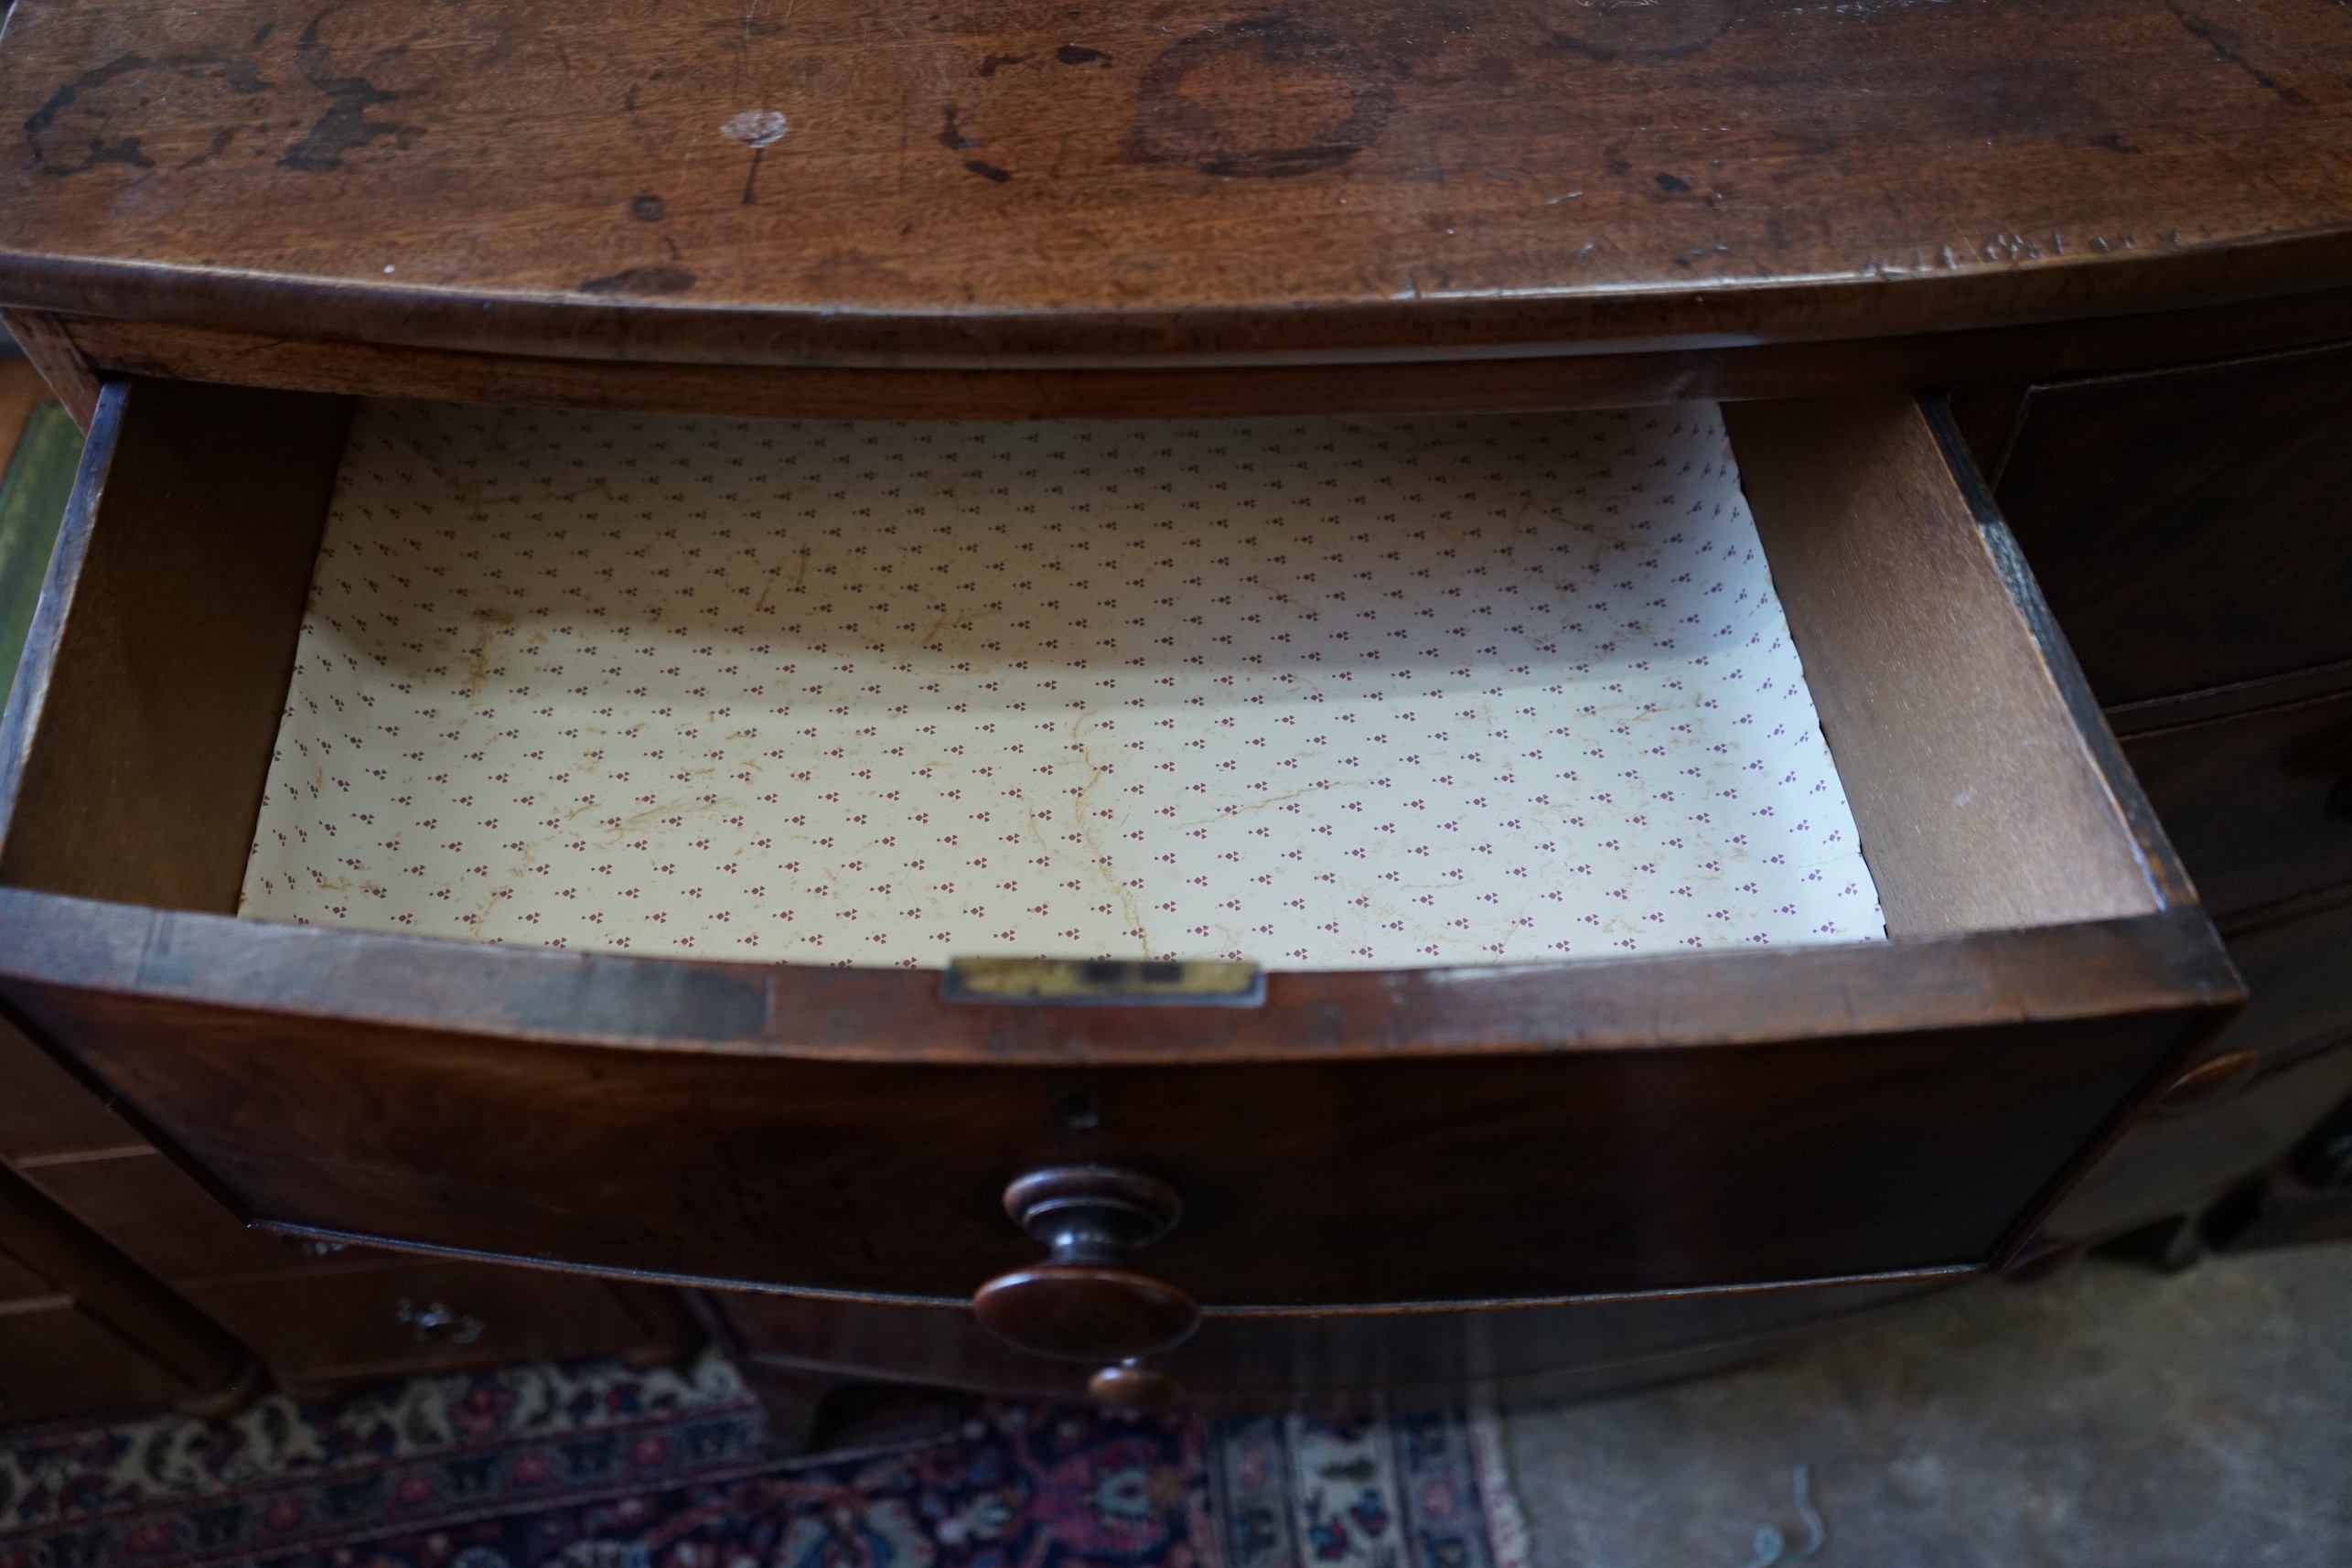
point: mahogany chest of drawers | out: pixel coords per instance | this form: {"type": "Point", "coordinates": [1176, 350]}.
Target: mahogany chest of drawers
{"type": "Point", "coordinates": [1163, 1172]}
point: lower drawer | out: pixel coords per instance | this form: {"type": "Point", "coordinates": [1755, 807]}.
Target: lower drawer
{"type": "Point", "coordinates": [320, 1312]}
{"type": "Point", "coordinates": [2258, 804]}
{"type": "Point", "coordinates": [421, 1317]}
{"type": "Point", "coordinates": [162, 1220]}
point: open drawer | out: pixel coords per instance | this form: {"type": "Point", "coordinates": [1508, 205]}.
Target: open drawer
{"type": "Point", "coordinates": [1349, 1136]}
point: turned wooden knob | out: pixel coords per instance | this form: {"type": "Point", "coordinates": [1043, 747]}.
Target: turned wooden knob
{"type": "Point", "coordinates": [2206, 1080]}
{"type": "Point", "coordinates": [1083, 1303]}
{"type": "Point", "coordinates": [1132, 1386]}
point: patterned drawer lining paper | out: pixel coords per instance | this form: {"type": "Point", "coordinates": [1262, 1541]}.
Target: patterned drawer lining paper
{"type": "Point", "coordinates": [1322, 693]}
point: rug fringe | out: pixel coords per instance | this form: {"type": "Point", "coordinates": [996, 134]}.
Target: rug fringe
{"type": "Point", "coordinates": [1506, 1524]}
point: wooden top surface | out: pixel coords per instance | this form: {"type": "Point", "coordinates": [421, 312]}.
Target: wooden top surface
{"type": "Point", "coordinates": [892, 181]}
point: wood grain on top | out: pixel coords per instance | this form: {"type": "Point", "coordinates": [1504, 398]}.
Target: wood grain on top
{"type": "Point", "coordinates": [900, 181]}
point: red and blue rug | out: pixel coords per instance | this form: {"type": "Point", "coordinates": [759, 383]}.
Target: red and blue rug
{"type": "Point", "coordinates": [601, 1466]}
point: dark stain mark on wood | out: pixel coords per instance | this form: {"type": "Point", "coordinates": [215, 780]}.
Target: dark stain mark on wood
{"type": "Point", "coordinates": [37, 126]}
{"type": "Point", "coordinates": [1668, 182]}
{"type": "Point", "coordinates": [1643, 29]}
{"type": "Point", "coordinates": [648, 208]}
{"type": "Point", "coordinates": [989, 171]}
{"type": "Point", "coordinates": [221, 140]}
{"type": "Point", "coordinates": [345, 126]}
{"type": "Point", "coordinates": [994, 63]}
{"type": "Point", "coordinates": [758, 151]}
{"type": "Point", "coordinates": [641, 280]}
{"type": "Point", "coordinates": [2114, 143]}
{"type": "Point", "coordinates": [1493, 71]}
{"type": "Point", "coordinates": [2226, 47]}
{"type": "Point", "coordinates": [1078, 54]}
{"type": "Point", "coordinates": [1266, 97]}
{"type": "Point", "coordinates": [85, 125]}
{"type": "Point", "coordinates": [951, 134]}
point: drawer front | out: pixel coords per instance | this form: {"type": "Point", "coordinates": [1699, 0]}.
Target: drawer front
{"type": "Point", "coordinates": [2260, 805]}
{"type": "Point", "coordinates": [288, 1297]}
{"type": "Point", "coordinates": [419, 1317]}
{"type": "Point", "coordinates": [2294, 1038]}
{"type": "Point", "coordinates": [2194, 528]}
{"type": "Point", "coordinates": [1357, 1181]}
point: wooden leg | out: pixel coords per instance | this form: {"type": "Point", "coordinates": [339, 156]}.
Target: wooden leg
{"type": "Point", "coordinates": [2183, 1247]}
{"type": "Point", "coordinates": [2168, 1245]}
{"type": "Point", "coordinates": [674, 1333]}
{"type": "Point", "coordinates": [228, 1396]}
{"type": "Point", "coordinates": [794, 1399]}
{"type": "Point", "coordinates": [793, 1395]}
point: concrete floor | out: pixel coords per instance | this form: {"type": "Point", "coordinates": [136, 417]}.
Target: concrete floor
{"type": "Point", "coordinates": [2109, 1416]}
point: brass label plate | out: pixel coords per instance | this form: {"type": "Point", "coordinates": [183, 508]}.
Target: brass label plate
{"type": "Point", "coordinates": [1099, 981]}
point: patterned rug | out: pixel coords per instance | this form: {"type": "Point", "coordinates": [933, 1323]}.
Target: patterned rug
{"type": "Point", "coordinates": [601, 1466]}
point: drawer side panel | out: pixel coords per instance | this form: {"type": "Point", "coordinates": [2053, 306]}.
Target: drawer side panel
{"type": "Point", "coordinates": [133, 747]}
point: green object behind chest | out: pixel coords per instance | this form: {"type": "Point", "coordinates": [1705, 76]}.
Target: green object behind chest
{"type": "Point", "coordinates": [32, 503]}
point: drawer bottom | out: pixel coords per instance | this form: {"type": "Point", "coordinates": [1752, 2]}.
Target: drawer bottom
{"type": "Point", "coordinates": [1317, 695]}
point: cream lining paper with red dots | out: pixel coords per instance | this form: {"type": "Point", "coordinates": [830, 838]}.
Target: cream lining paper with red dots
{"type": "Point", "coordinates": [1322, 693]}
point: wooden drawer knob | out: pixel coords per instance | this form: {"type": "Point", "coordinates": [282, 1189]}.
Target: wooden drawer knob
{"type": "Point", "coordinates": [1083, 1303]}
{"type": "Point", "coordinates": [1085, 1312]}
{"type": "Point", "coordinates": [1132, 1386]}
{"type": "Point", "coordinates": [2208, 1080]}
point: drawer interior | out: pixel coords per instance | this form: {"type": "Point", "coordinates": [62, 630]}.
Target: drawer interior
{"type": "Point", "coordinates": [1321, 694]}
{"type": "Point", "coordinates": [1326, 694]}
